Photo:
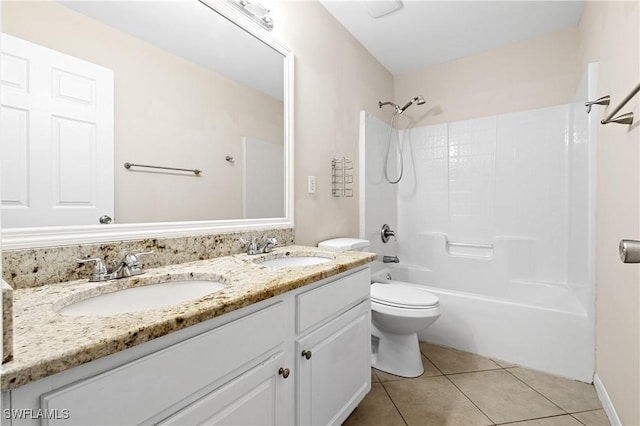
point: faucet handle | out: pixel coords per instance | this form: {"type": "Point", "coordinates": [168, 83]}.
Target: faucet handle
{"type": "Point", "coordinates": [132, 260]}
{"type": "Point", "coordinates": [100, 272]}
{"type": "Point", "coordinates": [251, 245]}
{"type": "Point", "coordinates": [268, 245]}
{"type": "Point", "coordinates": [246, 243]}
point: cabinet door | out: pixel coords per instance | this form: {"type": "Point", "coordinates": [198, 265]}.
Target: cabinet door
{"type": "Point", "coordinates": [257, 397]}
{"type": "Point", "coordinates": [337, 374]}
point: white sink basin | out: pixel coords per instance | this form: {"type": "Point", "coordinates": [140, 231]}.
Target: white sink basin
{"type": "Point", "coordinates": [141, 298]}
{"type": "Point", "coordinates": [287, 262]}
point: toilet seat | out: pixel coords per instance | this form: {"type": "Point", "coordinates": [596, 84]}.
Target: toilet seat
{"type": "Point", "coordinates": [403, 296]}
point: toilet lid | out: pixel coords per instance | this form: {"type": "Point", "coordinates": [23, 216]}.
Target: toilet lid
{"type": "Point", "coordinates": [402, 296]}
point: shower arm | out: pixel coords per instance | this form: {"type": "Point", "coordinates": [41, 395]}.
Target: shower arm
{"type": "Point", "coordinates": [381, 104]}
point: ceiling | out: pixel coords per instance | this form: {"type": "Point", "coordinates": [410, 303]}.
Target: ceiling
{"type": "Point", "coordinates": [425, 33]}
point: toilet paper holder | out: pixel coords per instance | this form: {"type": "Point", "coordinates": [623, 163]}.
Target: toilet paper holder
{"type": "Point", "coordinates": [629, 251]}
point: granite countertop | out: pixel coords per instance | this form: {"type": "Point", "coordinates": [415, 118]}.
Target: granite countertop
{"type": "Point", "coordinates": [45, 342]}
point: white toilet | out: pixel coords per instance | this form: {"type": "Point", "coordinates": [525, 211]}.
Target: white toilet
{"type": "Point", "coordinates": [398, 312]}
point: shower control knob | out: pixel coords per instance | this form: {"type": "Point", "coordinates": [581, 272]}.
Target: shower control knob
{"type": "Point", "coordinates": [284, 372]}
{"type": "Point", "coordinates": [629, 251]}
{"type": "Point", "coordinates": [306, 354]}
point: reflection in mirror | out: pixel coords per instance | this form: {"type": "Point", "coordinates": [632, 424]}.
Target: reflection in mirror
{"type": "Point", "coordinates": [88, 86]}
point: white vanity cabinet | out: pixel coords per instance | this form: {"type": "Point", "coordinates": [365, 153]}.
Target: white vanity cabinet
{"type": "Point", "coordinates": [244, 367]}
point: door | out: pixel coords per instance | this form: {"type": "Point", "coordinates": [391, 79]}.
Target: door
{"type": "Point", "coordinates": [257, 397]}
{"type": "Point", "coordinates": [334, 368]}
{"type": "Point", "coordinates": [56, 154]}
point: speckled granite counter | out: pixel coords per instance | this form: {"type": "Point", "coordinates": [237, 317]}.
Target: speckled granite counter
{"type": "Point", "coordinates": [46, 342]}
{"type": "Point", "coordinates": [7, 322]}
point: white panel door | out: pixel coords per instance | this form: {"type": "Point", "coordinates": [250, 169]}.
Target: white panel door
{"type": "Point", "coordinates": [56, 154]}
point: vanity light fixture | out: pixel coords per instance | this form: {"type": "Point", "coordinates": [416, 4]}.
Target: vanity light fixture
{"type": "Point", "coordinates": [255, 11]}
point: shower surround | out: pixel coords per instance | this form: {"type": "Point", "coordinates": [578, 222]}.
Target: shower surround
{"type": "Point", "coordinates": [494, 215]}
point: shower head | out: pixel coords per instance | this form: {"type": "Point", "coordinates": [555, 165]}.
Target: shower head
{"type": "Point", "coordinates": [417, 100]}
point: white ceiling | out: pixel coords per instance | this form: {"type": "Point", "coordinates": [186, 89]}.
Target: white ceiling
{"type": "Point", "coordinates": [425, 33]}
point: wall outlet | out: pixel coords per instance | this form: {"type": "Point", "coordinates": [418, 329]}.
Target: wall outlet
{"type": "Point", "coordinates": [311, 186]}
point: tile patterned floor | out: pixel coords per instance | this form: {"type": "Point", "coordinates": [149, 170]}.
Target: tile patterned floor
{"type": "Point", "coordinates": [460, 388]}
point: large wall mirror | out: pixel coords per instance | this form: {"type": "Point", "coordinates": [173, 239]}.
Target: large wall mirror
{"type": "Point", "coordinates": [93, 92]}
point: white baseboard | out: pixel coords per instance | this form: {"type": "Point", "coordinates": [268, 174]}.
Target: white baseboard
{"type": "Point", "coordinates": [607, 404]}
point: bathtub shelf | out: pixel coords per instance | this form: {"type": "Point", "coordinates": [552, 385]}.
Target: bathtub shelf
{"type": "Point", "coordinates": [341, 177]}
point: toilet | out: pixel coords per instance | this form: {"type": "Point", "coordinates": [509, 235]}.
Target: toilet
{"type": "Point", "coordinates": [398, 312]}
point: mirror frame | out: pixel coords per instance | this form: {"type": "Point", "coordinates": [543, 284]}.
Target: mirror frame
{"type": "Point", "coordinates": [20, 238]}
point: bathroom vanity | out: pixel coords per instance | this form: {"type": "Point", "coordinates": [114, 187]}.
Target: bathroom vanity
{"type": "Point", "coordinates": [287, 345]}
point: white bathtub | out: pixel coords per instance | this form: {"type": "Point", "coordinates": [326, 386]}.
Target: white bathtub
{"type": "Point", "coordinates": [544, 327]}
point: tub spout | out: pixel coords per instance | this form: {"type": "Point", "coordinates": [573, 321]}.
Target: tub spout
{"type": "Point", "coordinates": [390, 259]}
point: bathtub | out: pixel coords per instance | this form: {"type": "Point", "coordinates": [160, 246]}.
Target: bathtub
{"type": "Point", "coordinates": [554, 319]}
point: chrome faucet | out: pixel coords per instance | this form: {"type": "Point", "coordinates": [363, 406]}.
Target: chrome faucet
{"type": "Point", "coordinates": [129, 267]}
{"type": "Point", "coordinates": [390, 259]}
{"type": "Point", "coordinates": [253, 247]}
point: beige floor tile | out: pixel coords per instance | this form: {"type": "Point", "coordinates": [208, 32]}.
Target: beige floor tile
{"type": "Point", "coordinates": [570, 395]}
{"type": "Point", "coordinates": [504, 398]}
{"type": "Point", "coordinates": [450, 360]}
{"type": "Point", "coordinates": [593, 418]}
{"type": "Point", "coordinates": [433, 401]}
{"type": "Point", "coordinates": [565, 420]}
{"type": "Point", "coordinates": [375, 409]}
{"type": "Point", "coordinates": [429, 371]}
{"type": "Point", "coordinates": [374, 376]}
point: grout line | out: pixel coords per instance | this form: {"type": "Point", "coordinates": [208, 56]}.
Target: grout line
{"type": "Point", "coordinates": [587, 411]}
{"type": "Point", "coordinates": [577, 419]}
{"type": "Point", "coordinates": [432, 363]}
{"type": "Point", "coordinates": [539, 418]}
{"type": "Point", "coordinates": [394, 403]}
{"type": "Point", "coordinates": [470, 400]}
{"type": "Point", "coordinates": [535, 390]}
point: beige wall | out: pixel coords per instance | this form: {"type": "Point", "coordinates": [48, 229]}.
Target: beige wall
{"type": "Point", "coordinates": [610, 34]}
{"type": "Point", "coordinates": [335, 78]}
{"type": "Point", "coordinates": [168, 111]}
{"type": "Point", "coordinates": [527, 75]}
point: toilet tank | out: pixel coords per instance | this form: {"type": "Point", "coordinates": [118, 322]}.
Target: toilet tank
{"type": "Point", "coordinates": [344, 244]}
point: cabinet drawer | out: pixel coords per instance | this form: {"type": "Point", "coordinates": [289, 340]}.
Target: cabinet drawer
{"type": "Point", "coordinates": [323, 302]}
{"type": "Point", "coordinates": [137, 391]}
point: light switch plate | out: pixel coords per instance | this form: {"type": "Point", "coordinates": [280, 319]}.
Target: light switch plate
{"type": "Point", "coordinates": [311, 186]}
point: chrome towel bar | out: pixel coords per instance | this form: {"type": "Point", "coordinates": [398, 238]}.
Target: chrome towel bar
{"type": "Point", "coordinates": [128, 165]}
{"type": "Point", "coordinates": [624, 118]}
